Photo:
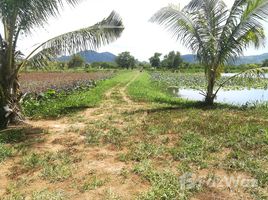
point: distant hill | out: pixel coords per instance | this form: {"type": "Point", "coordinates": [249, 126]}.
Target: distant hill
{"type": "Point", "coordinates": [190, 58]}
{"type": "Point", "coordinates": [242, 60]}
{"type": "Point", "coordinates": [252, 59]}
{"type": "Point", "coordinates": [92, 56]}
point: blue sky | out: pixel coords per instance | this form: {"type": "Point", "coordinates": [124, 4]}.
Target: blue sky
{"type": "Point", "coordinates": [140, 37]}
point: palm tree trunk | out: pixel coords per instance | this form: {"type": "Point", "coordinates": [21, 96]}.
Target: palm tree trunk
{"type": "Point", "coordinates": [209, 99]}
{"type": "Point", "coordinates": [3, 113]}
{"type": "Point", "coordinates": [10, 110]}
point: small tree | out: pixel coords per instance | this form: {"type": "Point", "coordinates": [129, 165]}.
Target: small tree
{"type": "Point", "coordinates": [155, 60]}
{"type": "Point", "coordinates": [21, 17]}
{"type": "Point", "coordinates": [215, 33]}
{"type": "Point", "coordinates": [76, 61]}
{"type": "Point", "coordinates": [172, 60]}
{"type": "Point", "coordinates": [125, 60]}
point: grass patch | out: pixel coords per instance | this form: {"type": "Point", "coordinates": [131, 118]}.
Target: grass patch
{"type": "Point", "coordinates": [12, 136]}
{"type": "Point", "coordinates": [143, 89]}
{"type": "Point", "coordinates": [5, 152]}
{"type": "Point", "coordinates": [32, 160]}
{"type": "Point", "coordinates": [91, 184]}
{"type": "Point", "coordinates": [54, 167]}
{"type": "Point", "coordinates": [144, 151]}
{"type": "Point", "coordinates": [164, 185]}
{"type": "Point", "coordinates": [192, 148]}
{"type": "Point", "coordinates": [57, 167]}
{"type": "Point", "coordinates": [221, 137]}
{"type": "Point", "coordinates": [48, 195]}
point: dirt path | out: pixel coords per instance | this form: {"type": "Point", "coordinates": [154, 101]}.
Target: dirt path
{"type": "Point", "coordinates": [116, 99]}
{"type": "Point", "coordinates": [70, 134]}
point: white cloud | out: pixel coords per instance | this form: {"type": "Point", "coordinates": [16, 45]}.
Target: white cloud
{"type": "Point", "coordinates": [140, 37]}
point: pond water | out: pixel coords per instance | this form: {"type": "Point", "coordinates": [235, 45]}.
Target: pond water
{"type": "Point", "coordinates": [237, 97]}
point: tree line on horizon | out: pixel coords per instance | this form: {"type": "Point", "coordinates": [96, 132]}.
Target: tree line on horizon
{"type": "Point", "coordinates": [172, 60]}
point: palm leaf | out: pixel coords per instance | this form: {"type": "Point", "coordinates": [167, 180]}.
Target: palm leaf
{"type": "Point", "coordinates": [102, 33]}
{"type": "Point", "coordinates": [31, 13]}
{"type": "Point", "coordinates": [180, 24]}
{"type": "Point", "coordinates": [243, 28]}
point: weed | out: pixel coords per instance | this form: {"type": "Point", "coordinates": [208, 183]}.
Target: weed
{"type": "Point", "coordinates": [57, 167]}
{"type": "Point", "coordinates": [32, 161]}
{"type": "Point", "coordinates": [110, 195]}
{"type": "Point", "coordinates": [115, 137]}
{"type": "Point", "coordinates": [92, 184]}
{"type": "Point", "coordinates": [93, 136]}
{"type": "Point", "coordinates": [47, 195]}
{"type": "Point", "coordinates": [144, 151]}
{"type": "Point", "coordinates": [5, 152]}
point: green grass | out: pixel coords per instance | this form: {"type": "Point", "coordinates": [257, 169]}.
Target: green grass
{"type": "Point", "coordinates": [219, 137]}
{"type": "Point", "coordinates": [5, 152]}
{"type": "Point", "coordinates": [91, 184]}
{"type": "Point", "coordinates": [143, 89]}
{"type": "Point", "coordinates": [54, 167]}
{"type": "Point", "coordinates": [158, 142]}
{"type": "Point", "coordinates": [164, 184]}
{"type": "Point", "coordinates": [53, 108]}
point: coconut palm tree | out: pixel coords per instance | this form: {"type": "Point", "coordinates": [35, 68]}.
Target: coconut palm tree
{"type": "Point", "coordinates": [215, 33]}
{"type": "Point", "coordinates": [20, 18]}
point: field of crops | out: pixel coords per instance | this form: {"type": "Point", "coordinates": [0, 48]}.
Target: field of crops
{"type": "Point", "coordinates": [38, 82]}
{"type": "Point", "coordinates": [198, 81]}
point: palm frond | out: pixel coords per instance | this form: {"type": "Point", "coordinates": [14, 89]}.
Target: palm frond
{"type": "Point", "coordinates": [102, 33]}
{"type": "Point", "coordinates": [180, 24]}
{"type": "Point", "coordinates": [31, 13]}
{"type": "Point", "coordinates": [198, 25]}
{"type": "Point", "coordinates": [243, 28]}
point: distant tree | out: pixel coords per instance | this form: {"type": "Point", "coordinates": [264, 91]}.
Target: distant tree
{"type": "Point", "coordinates": [125, 60]}
{"type": "Point", "coordinates": [177, 60]}
{"type": "Point", "coordinates": [76, 61]}
{"type": "Point", "coordinates": [155, 60]}
{"type": "Point", "coordinates": [265, 63]}
{"type": "Point", "coordinates": [172, 60]}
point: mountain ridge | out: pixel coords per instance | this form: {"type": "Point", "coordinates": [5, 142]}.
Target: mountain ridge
{"type": "Point", "coordinates": [252, 59]}
{"type": "Point", "coordinates": [93, 56]}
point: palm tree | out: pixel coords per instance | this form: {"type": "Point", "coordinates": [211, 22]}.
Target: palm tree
{"type": "Point", "coordinates": [215, 33]}
{"type": "Point", "coordinates": [20, 18]}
